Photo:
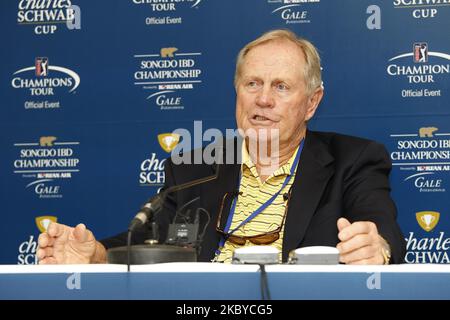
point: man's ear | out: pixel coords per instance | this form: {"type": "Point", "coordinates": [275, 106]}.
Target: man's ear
{"type": "Point", "coordinates": [313, 102]}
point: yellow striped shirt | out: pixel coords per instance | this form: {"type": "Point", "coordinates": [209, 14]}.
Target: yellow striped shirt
{"type": "Point", "coordinates": [254, 193]}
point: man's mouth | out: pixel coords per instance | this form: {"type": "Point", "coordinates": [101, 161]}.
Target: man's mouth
{"type": "Point", "coordinates": [260, 118]}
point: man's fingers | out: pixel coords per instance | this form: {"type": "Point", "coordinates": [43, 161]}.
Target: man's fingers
{"type": "Point", "coordinates": [342, 223]}
{"type": "Point", "coordinates": [80, 233]}
{"type": "Point", "coordinates": [358, 241]}
{"type": "Point", "coordinates": [48, 260]}
{"type": "Point", "coordinates": [55, 229]}
{"type": "Point", "coordinates": [357, 228]}
{"type": "Point", "coordinates": [44, 253]}
{"type": "Point", "coordinates": [364, 253]}
{"type": "Point", "coordinates": [43, 240]}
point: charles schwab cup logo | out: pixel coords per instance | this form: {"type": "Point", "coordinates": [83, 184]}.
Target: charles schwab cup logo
{"type": "Point", "coordinates": [423, 70]}
{"type": "Point", "coordinates": [46, 165]}
{"type": "Point", "coordinates": [168, 141]}
{"type": "Point", "coordinates": [427, 220]}
{"type": "Point", "coordinates": [422, 9]}
{"type": "Point", "coordinates": [423, 158]}
{"type": "Point", "coordinates": [27, 249]}
{"type": "Point", "coordinates": [166, 11]}
{"type": "Point", "coordinates": [166, 75]}
{"type": "Point", "coordinates": [292, 11]}
{"type": "Point", "coordinates": [152, 168]}
{"type": "Point", "coordinates": [431, 248]}
{"type": "Point", "coordinates": [44, 80]}
{"type": "Point", "coordinates": [47, 16]}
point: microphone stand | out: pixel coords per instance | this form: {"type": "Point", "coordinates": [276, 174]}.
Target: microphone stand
{"type": "Point", "coordinates": [155, 204]}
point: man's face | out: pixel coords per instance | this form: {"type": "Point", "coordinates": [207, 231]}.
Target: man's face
{"type": "Point", "coordinates": [271, 92]}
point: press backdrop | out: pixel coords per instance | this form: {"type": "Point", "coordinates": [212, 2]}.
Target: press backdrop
{"type": "Point", "coordinates": [87, 87]}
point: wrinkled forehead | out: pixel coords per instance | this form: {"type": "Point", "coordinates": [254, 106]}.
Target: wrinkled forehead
{"type": "Point", "coordinates": [276, 56]}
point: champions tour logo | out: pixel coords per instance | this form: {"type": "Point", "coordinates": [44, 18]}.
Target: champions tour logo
{"type": "Point", "coordinates": [44, 80]}
{"type": "Point", "coordinates": [46, 15]}
{"type": "Point", "coordinates": [152, 168]}
{"type": "Point", "coordinates": [432, 248]}
{"type": "Point", "coordinates": [166, 74]}
{"type": "Point", "coordinates": [423, 159]}
{"type": "Point", "coordinates": [422, 9]}
{"type": "Point", "coordinates": [27, 249]}
{"type": "Point", "coordinates": [164, 10]}
{"type": "Point", "coordinates": [292, 11]}
{"type": "Point", "coordinates": [47, 163]}
{"type": "Point", "coordinates": [420, 67]}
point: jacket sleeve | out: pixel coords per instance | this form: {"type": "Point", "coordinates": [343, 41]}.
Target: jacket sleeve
{"type": "Point", "coordinates": [367, 197]}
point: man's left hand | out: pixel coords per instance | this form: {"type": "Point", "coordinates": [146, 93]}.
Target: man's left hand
{"type": "Point", "coordinates": [360, 242]}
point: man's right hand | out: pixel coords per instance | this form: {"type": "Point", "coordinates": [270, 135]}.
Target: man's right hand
{"type": "Point", "coordinates": [62, 244]}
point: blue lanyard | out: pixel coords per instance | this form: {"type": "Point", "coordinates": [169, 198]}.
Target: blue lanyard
{"type": "Point", "coordinates": [264, 205]}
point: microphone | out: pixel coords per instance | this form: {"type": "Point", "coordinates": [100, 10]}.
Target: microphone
{"type": "Point", "coordinates": [155, 203]}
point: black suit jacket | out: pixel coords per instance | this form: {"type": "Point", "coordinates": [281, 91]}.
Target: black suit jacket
{"type": "Point", "coordinates": [338, 176]}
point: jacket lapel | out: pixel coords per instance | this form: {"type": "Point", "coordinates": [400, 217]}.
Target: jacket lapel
{"type": "Point", "coordinates": [313, 172]}
{"type": "Point", "coordinates": [227, 182]}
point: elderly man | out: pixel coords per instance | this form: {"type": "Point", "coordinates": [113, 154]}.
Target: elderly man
{"type": "Point", "coordinates": [314, 188]}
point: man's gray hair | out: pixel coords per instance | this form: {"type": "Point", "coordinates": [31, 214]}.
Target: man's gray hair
{"type": "Point", "coordinates": [312, 72]}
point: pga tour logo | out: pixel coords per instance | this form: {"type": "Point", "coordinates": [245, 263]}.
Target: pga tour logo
{"type": "Point", "coordinates": [41, 82]}
{"type": "Point", "coordinates": [423, 69]}
{"type": "Point", "coordinates": [41, 65]}
{"type": "Point", "coordinates": [420, 51]}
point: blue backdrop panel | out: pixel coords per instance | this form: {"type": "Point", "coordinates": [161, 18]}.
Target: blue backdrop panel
{"type": "Point", "coordinates": [83, 102]}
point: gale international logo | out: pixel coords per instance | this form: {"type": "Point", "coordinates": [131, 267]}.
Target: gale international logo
{"type": "Point", "coordinates": [422, 9]}
{"type": "Point", "coordinates": [292, 11]}
{"type": "Point", "coordinates": [165, 12]}
{"type": "Point", "coordinates": [44, 80]}
{"type": "Point", "coordinates": [167, 74]}
{"type": "Point", "coordinates": [152, 168]}
{"type": "Point", "coordinates": [431, 248]}
{"type": "Point", "coordinates": [424, 71]}
{"type": "Point", "coordinates": [46, 165]}
{"type": "Point", "coordinates": [27, 249]}
{"type": "Point", "coordinates": [423, 159]}
{"type": "Point", "coordinates": [47, 16]}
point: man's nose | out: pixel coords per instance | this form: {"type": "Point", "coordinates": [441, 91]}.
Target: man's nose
{"type": "Point", "coordinates": [265, 97]}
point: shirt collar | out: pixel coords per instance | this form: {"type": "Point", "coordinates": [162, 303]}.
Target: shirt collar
{"type": "Point", "coordinates": [284, 170]}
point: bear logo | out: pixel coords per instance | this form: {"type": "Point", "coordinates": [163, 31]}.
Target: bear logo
{"type": "Point", "coordinates": [427, 132]}
{"type": "Point", "coordinates": [46, 141]}
{"type": "Point", "coordinates": [168, 52]}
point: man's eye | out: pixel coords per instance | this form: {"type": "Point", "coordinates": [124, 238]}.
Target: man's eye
{"type": "Point", "coordinates": [252, 84]}
{"type": "Point", "coordinates": [282, 87]}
